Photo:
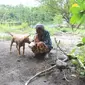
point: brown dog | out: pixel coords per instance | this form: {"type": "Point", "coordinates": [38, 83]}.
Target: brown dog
{"type": "Point", "coordinates": [20, 40]}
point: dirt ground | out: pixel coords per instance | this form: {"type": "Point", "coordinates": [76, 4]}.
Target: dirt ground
{"type": "Point", "coordinates": [16, 70]}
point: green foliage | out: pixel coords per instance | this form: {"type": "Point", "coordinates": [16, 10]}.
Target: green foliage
{"type": "Point", "coordinates": [78, 12]}
{"type": "Point", "coordinates": [22, 14]}
{"type": "Point", "coordinates": [58, 19]}
{"type": "Point", "coordinates": [74, 62]}
{"type": "Point", "coordinates": [58, 7]}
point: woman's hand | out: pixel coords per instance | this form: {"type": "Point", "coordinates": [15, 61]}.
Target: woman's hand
{"type": "Point", "coordinates": [39, 43]}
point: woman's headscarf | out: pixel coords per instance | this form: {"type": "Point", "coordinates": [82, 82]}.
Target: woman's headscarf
{"type": "Point", "coordinates": [40, 26]}
{"type": "Point", "coordinates": [40, 31]}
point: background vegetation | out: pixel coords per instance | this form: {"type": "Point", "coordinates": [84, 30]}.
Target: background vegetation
{"type": "Point", "coordinates": [54, 14]}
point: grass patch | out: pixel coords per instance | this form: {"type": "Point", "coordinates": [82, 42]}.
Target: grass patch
{"type": "Point", "coordinates": [52, 30]}
{"type": "Point", "coordinates": [22, 29]}
{"type": "Point", "coordinates": [5, 37]}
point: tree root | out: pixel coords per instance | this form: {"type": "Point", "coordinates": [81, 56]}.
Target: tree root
{"type": "Point", "coordinates": [65, 76]}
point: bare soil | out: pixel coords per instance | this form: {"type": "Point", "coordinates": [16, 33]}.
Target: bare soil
{"type": "Point", "coordinates": [16, 70]}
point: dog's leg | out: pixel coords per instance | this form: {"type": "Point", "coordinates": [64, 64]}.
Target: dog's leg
{"type": "Point", "coordinates": [18, 48]}
{"type": "Point", "coordinates": [19, 51]}
{"type": "Point", "coordinates": [23, 48]}
{"type": "Point", "coordinates": [11, 45]}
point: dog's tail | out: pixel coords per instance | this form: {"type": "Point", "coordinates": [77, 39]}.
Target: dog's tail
{"type": "Point", "coordinates": [10, 33]}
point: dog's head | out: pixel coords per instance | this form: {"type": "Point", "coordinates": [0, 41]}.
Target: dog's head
{"type": "Point", "coordinates": [26, 39]}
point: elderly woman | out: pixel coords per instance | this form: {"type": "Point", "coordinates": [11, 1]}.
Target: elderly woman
{"type": "Point", "coordinates": [42, 40]}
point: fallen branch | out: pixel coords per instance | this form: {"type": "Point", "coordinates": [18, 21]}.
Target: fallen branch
{"type": "Point", "coordinates": [37, 74]}
{"type": "Point", "coordinates": [59, 46]}
{"type": "Point", "coordinates": [57, 43]}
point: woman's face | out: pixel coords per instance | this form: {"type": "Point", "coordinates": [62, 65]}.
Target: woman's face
{"type": "Point", "coordinates": [39, 31]}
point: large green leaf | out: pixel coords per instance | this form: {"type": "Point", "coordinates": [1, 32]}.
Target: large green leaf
{"type": "Point", "coordinates": [79, 1]}
{"type": "Point", "coordinates": [82, 18]}
{"type": "Point", "coordinates": [83, 5]}
{"type": "Point", "coordinates": [75, 9]}
{"type": "Point", "coordinates": [75, 19]}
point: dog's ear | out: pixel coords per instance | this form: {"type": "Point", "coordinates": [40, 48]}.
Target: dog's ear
{"type": "Point", "coordinates": [26, 36]}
